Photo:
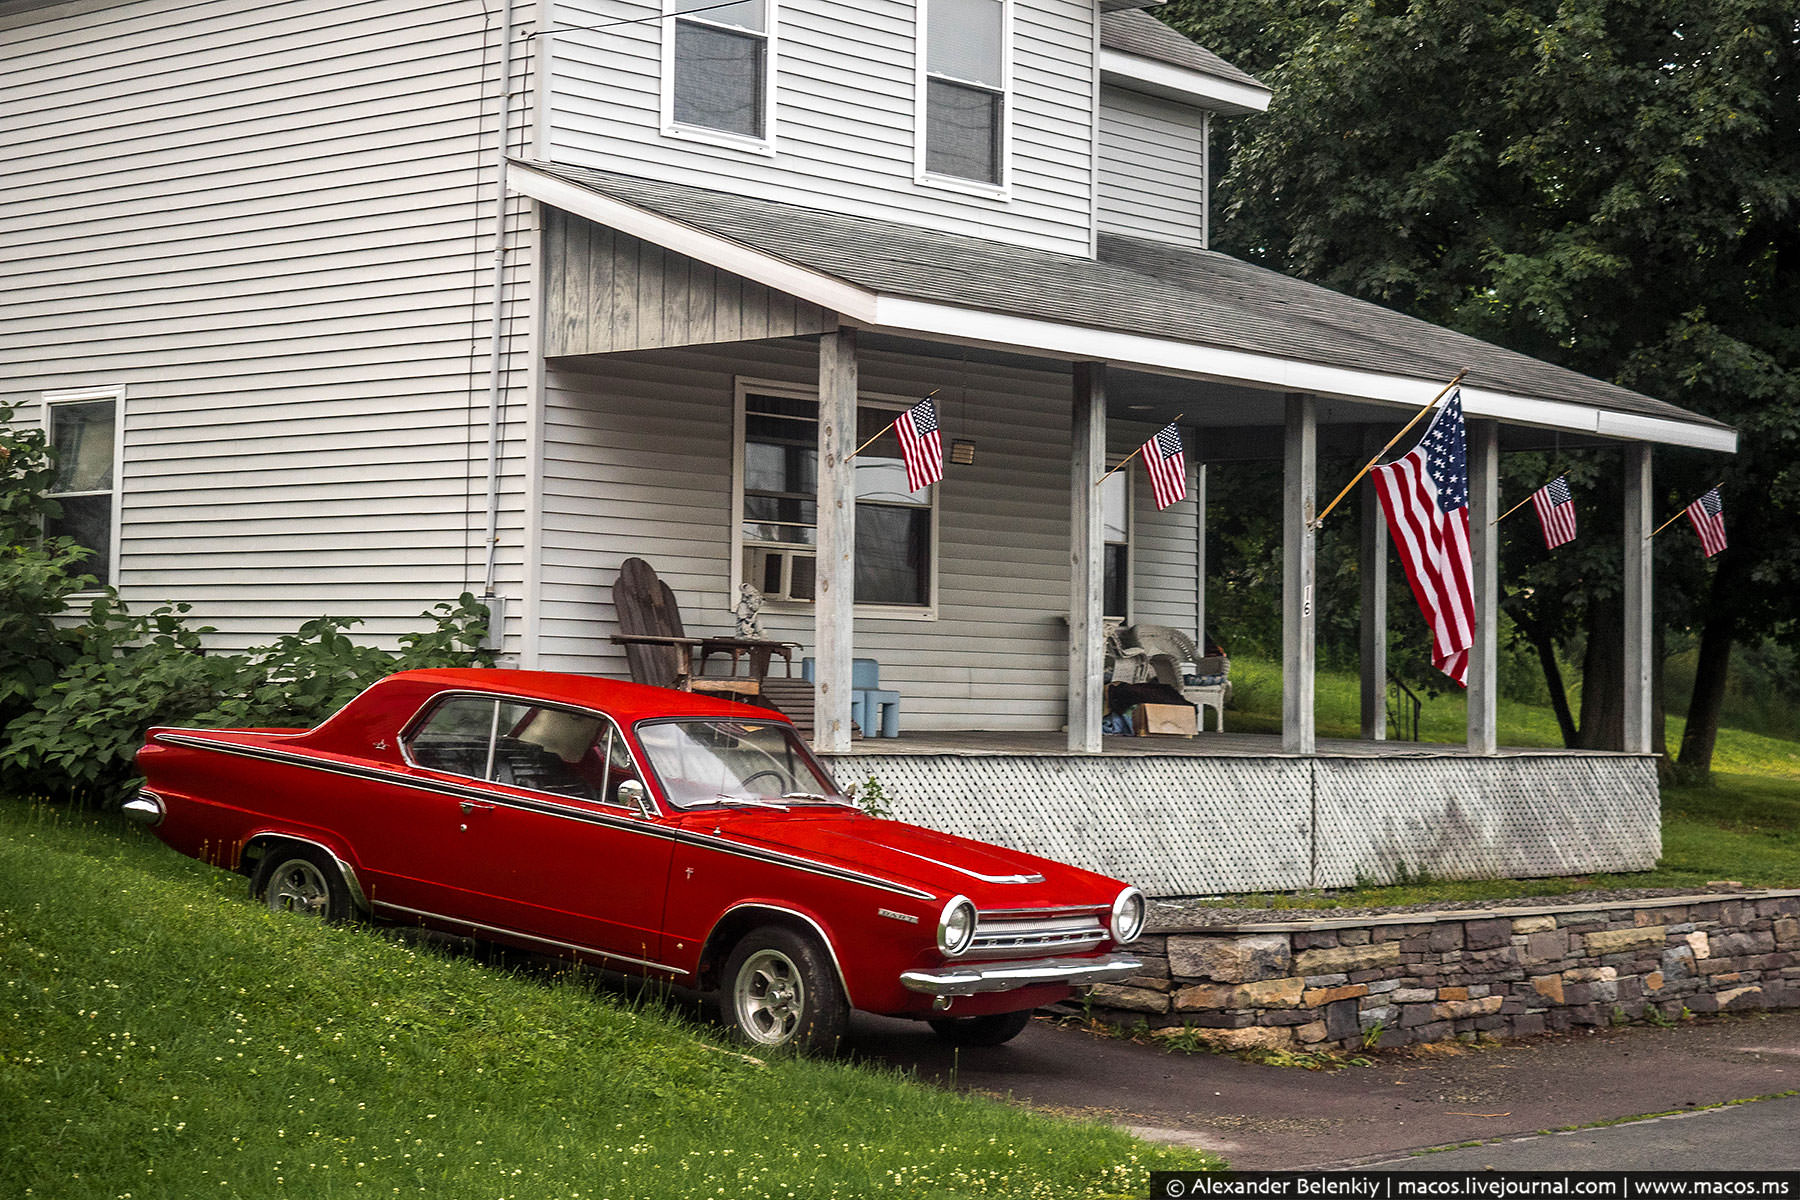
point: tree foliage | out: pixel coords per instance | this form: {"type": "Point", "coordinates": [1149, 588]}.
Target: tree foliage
{"type": "Point", "coordinates": [1611, 185]}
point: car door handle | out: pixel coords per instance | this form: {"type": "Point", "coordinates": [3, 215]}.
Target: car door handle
{"type": "Point", "coordinates": [469, 806]}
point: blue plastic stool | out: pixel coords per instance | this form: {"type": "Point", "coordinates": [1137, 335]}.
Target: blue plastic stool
{"type": "Point", "coordinates": [875, 710]}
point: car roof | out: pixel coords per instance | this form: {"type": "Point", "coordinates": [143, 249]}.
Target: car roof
{"type": "Point", "coordinates": [626, 702]}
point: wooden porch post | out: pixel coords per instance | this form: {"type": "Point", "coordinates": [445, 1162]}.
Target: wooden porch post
{"type": "Point", "coordinates": [1484, 551]}
{"type": "Point", "coordinates": [1199, 552]}
{"type": "Point", "coordinates": [834, 605]}
{"type": "Point", "coordinates": [1087, 559]}
{"type": "Point", "coordinates": [1637, 630]}
{"type": "Point", "coordinates": [1373, 634]}
{"type": "Point", "coordinates": [1299, 571]}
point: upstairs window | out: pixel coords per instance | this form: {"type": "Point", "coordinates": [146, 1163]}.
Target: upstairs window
{"type": "Point", "coordinates": [84, 428]}
{"type": "Point", "coordinates": [965, 90]}
{"type": "Point", "coordinates": [718, 67]}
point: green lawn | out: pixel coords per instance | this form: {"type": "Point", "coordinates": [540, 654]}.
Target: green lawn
{"type": "Point", "coordinates": [160, 1036]}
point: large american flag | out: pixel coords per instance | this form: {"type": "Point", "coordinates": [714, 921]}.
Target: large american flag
{"type": "Point", "coordinates": [1167, 467]}
{"type": "Point", "coordinates": [1426, 498]}
{"type": "Point", "coordinates": [921, 445]}
{"type": "Point", "coordinates": [1555, 512]}
{"type": "Point", "coordinates": [1708, 515]}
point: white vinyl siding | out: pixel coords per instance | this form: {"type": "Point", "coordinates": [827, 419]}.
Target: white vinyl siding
{"type": "Point", "coordinates": [638, 451]}
{"type": "Point", "coordinates": [1152, 168]}
{"type": "Point", "coordinates": [275, 228]}
{"type": "Point", "coordinates": [845, 116]}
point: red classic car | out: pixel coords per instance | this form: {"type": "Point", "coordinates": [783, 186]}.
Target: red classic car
{"type": "Point", "coordinates": [685, 838]}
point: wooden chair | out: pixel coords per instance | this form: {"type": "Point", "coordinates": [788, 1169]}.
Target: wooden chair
{"type": "Point", "coordinates": [662, 654]}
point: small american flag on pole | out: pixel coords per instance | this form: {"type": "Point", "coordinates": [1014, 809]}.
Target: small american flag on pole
{"type": "Point", "coordinates": [1426, 498]}
{"type": "Point", "coordinates": [921, 445]}
{"type": "Point", "coordinates": [1555, 511]}
{"type": "Point", "coordinates": [1167, 468]}
{"type": "Point", "coordinates": [1708, 515]}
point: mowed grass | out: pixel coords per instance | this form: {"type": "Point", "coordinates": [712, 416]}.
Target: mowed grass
{"type": "Point", "coordinates": [160, 1036]}
{"type": "Point", "coordinates": [1744, 827]}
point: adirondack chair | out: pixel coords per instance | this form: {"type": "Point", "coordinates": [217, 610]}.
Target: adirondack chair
{"type": "Point", "coordinates": [662, 654]}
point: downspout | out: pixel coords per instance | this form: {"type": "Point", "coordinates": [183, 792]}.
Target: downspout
{"type": "Point", "coordinates": [497, 340]}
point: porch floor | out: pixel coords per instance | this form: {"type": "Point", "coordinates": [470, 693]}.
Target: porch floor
{"type": "Point", "coordinates": [1050, 743]}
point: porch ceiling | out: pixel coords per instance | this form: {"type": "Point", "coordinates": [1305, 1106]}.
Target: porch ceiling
{"type": "Point", "coordinates": [1149, 308]}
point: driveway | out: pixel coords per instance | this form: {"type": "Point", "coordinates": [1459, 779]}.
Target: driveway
{"type": "Point", "coordinates": [1263, 1118]}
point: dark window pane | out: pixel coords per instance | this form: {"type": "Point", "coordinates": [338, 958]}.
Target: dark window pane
{"type": "Point", "coordinates": [88, 520]}
{"type": "Point", "coordinates": [893, 555]}
{"type": "Point", "coordinates": [962, 131]}
{"type": "Point", "coordinates": [718, 79]}
{"type": "Point", "coordinates": [83, 436]}
{"type": "Point", "coordinates": [1117, 579]}
{"type": "Point", "coordinates": [803, 571]}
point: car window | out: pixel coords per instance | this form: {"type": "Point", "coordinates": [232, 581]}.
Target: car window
{"type": "Point", "coordinates": [721, 762]}
{"type": "Point", "coordinates": [539, 747]}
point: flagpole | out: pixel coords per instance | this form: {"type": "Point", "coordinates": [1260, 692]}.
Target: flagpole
{"type": "Point", "coordinates": [1132, 455]}
{"type": "Point", "coordinates": [928, 395]}
{"type": "Point", "coordinates": [1320, 519]}
{"type": "Point", "coordinates": [1515, 508]}
{"type": "Point", "coordinates": [1674, 518]}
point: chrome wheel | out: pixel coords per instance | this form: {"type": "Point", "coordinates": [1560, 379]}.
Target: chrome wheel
{"type": "Point", "coordinates": [303, 881]}
{"type": "Point", "coordinates": [781, 989]}
{"type": "Point", "coordinates": [770, 997]}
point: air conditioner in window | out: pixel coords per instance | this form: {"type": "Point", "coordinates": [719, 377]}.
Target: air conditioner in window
{"type": "Point", "coordinates": [780, 574]}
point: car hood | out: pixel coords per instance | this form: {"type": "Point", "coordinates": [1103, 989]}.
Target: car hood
{"type": "Point", "coordinates": [942, 863]}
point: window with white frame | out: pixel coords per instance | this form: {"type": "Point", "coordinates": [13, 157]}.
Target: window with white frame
{"type": "Point", "coordinates": [778, 490]}
{"type": "Point", "coordinates": [1115, 523]}
{"type": "Point", "coordinates": [964, 86]}
{"type": "Point", "coordinates": [717, 66]}
{"type": "Point", "coordinates": [84, 428]}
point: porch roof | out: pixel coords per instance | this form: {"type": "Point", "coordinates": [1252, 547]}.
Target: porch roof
{"type": "Point", "coordinates": [1140, 304]}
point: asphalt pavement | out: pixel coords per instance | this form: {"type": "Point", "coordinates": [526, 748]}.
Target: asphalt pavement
{"type": "Point", "coordinates": [1403, 1111]}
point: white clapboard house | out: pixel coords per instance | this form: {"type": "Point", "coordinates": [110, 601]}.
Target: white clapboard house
{"type": "Point", "coordinates": [349, 309]}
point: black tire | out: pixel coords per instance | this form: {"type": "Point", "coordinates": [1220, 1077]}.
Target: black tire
{"type": "Point", "coordinates": [305, 880]}
{"type": "Point", "coordinates": [780, 990]}
{"type": "Point", "coordinates": [991, 1030]}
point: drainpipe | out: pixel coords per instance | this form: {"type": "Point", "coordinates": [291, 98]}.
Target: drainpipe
{"type": "Point", "coordinates": [497, 341]}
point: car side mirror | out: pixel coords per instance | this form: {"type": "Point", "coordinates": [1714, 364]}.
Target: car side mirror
{"type": "Point", "coordinates": [631, 792]}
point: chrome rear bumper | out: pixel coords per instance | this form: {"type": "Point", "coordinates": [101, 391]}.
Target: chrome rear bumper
{"type": "Point", "coordinates": [977, 978]}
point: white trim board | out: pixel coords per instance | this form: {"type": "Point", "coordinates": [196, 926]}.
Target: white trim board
{"type": "Point", "coordinates": [906, 316]}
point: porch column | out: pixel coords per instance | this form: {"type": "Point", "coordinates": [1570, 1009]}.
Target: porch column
{"type": "Point", "coordinates": [1087, 559]}
{"type": "Point", "coordinates": [1199, 552]}
{"type": "Point", "coordinates": [1299, 572]}
{"type": "Point", "coordinates": [1637, 631]}
{"type": "Point", "coordinates": [1373, 614]}
{"type": "Point", "coordinates": [834, 605]}
{"type": "Point", "coordinates": [1484, 552]}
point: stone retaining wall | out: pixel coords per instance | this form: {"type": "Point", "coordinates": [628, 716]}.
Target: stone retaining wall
{"type": "Point", "coordinates": [1350, 983]}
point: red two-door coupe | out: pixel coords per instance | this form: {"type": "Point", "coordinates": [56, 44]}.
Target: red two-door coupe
{"type": "Point", "coordinates": [647, 830]}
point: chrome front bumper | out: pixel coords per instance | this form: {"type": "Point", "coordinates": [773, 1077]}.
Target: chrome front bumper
{"type": "Point", "coordinates": [977, 978]}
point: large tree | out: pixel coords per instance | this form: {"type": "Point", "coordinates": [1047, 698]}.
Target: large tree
{"type": "Point", "coordinates": [1613, 185]}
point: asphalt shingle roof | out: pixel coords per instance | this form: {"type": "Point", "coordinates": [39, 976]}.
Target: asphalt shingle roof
{"type": "Point", "coordinates": [1136, 286]}
{"type": "Point", "coordinates": [1139, 33]}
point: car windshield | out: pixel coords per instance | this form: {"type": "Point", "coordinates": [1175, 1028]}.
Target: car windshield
{"type": "Point", "coordinates": [716, 762]}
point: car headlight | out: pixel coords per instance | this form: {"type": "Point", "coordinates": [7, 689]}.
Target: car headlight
{"type": "Point", "coordinates": [956, 926]}
{"type": "Point", "coordinates": [1127, 916]}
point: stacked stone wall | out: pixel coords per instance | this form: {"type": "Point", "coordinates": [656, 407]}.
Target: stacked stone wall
{"type": "Point", "coordinates": [1419, 977]}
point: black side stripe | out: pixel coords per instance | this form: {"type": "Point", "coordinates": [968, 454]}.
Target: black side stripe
{"type": "Point", "coordinates": [546, 808]}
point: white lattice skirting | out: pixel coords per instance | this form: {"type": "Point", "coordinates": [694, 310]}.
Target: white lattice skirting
{"type": "Point", "coordinates": [1182, 826]}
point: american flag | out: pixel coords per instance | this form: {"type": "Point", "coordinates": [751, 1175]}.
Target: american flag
{"type": "Point", "coordinates": [1556, 512]}
{"type": "Point", "coordinates": [921, 445]}
{"type": "Point", "coordinates": [1167, 468]}
{"type": "Point", "coordinates": [1426, 498]}
{"type": "Point", "coordinates": [1708, 515]}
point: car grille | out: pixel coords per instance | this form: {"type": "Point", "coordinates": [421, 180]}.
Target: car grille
{"type": "Point", "coordinates": [1025, 936]}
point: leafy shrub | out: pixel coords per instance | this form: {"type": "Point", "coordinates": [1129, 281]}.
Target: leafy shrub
{"type": "Point", "coordinates": [79, 736]}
